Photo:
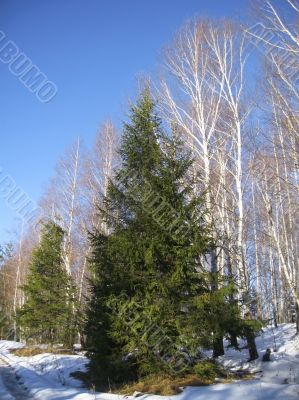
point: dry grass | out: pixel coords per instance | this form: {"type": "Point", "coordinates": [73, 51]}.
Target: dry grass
{"type": "Point", "coordinates": [167, 385]}
{"type": "Point", "coordinates": [34, 350]}
{"type": "Point", "coordinates": [163, 385]}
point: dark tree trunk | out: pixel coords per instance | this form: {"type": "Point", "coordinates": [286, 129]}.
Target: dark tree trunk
{"type": "Point", "coordinates": [253, 354]}
{"type": "Point", "coordinates": [218, 348]}
{"type": "Point", "coordinates": [214, 270]}
{"type": "Point", "coordinates": [232, 335]}
{"type": "Point", "coordinates": [234, 340]}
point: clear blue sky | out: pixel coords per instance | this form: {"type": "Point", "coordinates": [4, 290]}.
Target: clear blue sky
{"type": "Point", "coordinates": [93, 50]}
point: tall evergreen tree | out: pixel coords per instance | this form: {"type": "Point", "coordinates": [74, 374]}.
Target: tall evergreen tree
{"type": "Point", "coordinates": [48, 313]}
{"type": "Point", "coordinates": [148, 270]}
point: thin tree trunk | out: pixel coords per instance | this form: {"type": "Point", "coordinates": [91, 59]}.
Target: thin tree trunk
{"type": "Point", "coordinates": [253, 354]}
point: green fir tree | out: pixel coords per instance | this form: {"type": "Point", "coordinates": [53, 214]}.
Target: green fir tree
{"type": "Point", "coordinates": [48, 313]}
{"type": "Point", "coordinates": [148, 270]}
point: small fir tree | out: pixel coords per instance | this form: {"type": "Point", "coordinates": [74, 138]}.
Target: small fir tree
{"type": "Point", "coordinates": [48, 313]}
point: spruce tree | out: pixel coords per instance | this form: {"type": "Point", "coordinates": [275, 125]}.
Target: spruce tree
{"type": "Point", "coordinates": [48, 313]}
{"type": "Point", "coordinates": [147, 271]}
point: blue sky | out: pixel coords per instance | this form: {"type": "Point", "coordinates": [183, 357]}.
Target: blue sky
{"type": "Point", "coordinates": [93, 50]}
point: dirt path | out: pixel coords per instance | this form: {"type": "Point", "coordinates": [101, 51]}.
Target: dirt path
{"type": "Point", "coordinates": [10, 383]}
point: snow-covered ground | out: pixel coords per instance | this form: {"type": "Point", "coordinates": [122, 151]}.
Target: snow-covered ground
{"type": "Point", "coordinates": [4, 395]}
{"type": "Point", "coordinates": [46, 376]}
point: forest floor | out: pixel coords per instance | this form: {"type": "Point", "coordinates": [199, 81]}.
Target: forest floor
{"type": "Point", "coordinates": [47, 376]}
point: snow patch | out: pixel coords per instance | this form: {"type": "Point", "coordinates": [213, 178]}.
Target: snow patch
{"type": "Point", "coordinates": [47, 376]}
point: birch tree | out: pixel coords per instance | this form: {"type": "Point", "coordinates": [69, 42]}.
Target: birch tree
{"type": "Point", "coordinates": [277, 38]}
{"type": "Point", "coordinates": [98, 167]}
{"type": "Point", "coordinates": [61, 203]}
{"type": "Point", "coordinates": [203, 95]}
